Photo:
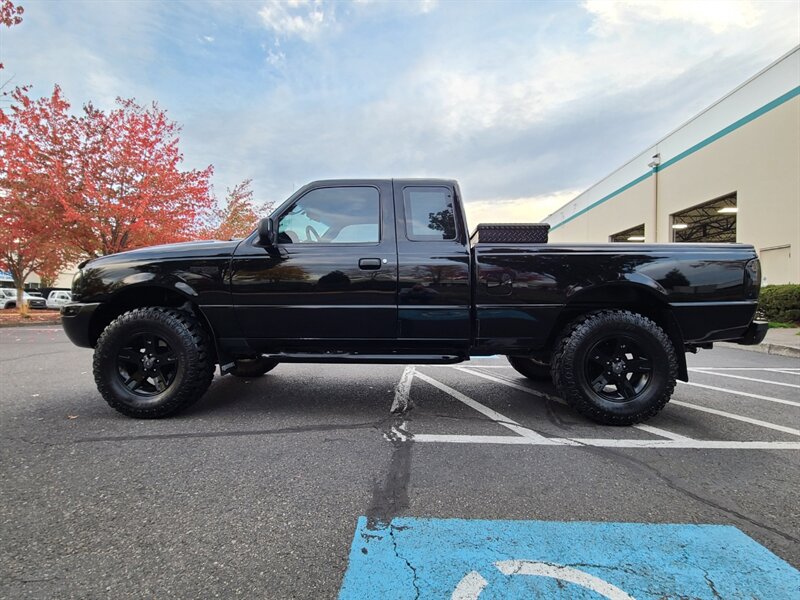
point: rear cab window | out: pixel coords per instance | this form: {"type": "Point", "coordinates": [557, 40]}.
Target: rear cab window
{"type": "Point", "coordinates": [430, 213]}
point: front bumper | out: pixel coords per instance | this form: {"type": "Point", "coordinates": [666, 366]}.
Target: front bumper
{"type": "Point", "coordinates": [76, 319]}
{"type": "Point", "coordinates": [754, 334]}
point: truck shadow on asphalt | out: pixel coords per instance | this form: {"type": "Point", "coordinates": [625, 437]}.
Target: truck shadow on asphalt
{"type": "Point", "coordinates": [366, 396]}
{"type": "Point", "coordinates": [293, 394]}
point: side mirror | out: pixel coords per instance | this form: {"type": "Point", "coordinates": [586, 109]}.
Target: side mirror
{"type": "Point", "coordinates": [266, 232]}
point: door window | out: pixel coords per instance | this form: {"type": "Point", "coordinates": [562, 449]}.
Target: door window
{"type": "Point", "coordinates": [341, 215]}
{"type": "Point", "coordinates": [429, 213]}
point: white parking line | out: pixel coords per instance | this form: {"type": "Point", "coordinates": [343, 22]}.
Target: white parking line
{"type": "Point", "coordinates": [662, 432]}
{"type": "Point", "coordinates": [485, 410]}
{"type": "Point", "coordinates": [728, 415]}
{"type": "Point", "coordinates": [527, 437]}
{"type": "Point", "coordinates": [510, 384]}
{"type": "Point", "coordinates": [514, 440]}
{"type": "Point", "coordinates": [787, 371]}
{"type": "Point", "coordinates": [648, 428]}
{"type": "Point", "coordinates": [471, 364]}
{"type": "Point", "coordinates": [791, 370]}
{"type": "Point", "coordinates": [709, 372]}
{"type": "Point", "coordinates": [738, 393]}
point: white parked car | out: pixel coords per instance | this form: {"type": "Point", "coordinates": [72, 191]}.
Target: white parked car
{"type": "Point", "coordinates": [8, 299]}
{"type": "Point", "coordinates": [57, 299]}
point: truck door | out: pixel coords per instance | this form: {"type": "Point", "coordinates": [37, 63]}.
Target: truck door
{"type": "Point", "coordinates": [331, 275]}
{"type": "Point", "coordinates": [434, 265]}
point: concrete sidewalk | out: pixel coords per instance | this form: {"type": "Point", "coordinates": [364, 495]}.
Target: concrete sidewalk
{"type": "Point", "coordinates": [783, 342]}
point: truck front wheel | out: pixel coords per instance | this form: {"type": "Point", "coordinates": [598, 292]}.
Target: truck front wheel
{"type": "Point", "coordinates": [153, 362]}
{"type": "Point", "coordinates": [615, 367]}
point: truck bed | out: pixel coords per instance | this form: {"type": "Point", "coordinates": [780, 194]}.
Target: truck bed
{"type": "Point", "coordinates": [522, 290]}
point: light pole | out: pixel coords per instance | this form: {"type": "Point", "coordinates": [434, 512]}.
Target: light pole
{"type": "Point", "coordinates": [654, 164]}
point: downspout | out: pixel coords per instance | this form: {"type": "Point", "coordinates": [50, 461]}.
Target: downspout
{"type": "Point", "coordinates": [654, 164]}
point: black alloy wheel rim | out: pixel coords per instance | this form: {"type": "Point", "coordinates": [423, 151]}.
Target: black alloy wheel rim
{"type": "Point", "coordinates": [618, 368]}
{"type": "Point", "coordinates": [147, 364]}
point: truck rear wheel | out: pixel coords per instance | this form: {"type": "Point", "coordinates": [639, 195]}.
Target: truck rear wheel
{"type": "Point", "coordinates": [615, 367]}
{"type": "Point", "coordinates": [153, 362]}
{"type": "Point", "coordinates": [253, 367]}
{"type": "Point", "coordinates": [532, 367]}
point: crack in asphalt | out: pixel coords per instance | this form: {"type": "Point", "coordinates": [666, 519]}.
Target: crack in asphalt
{"type": "Point", "coordinates": [378, 425]}
{"type": "Point", "coordinates": [27, 356]}
{"type": "Point", "coordinates": [390, 496]}
{"type": "Point", "coordinates": [711, 585]}
{"type": "Point", "coordinates": [414, 580]}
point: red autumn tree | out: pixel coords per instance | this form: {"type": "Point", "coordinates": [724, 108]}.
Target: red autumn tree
{"type": "Point", "coordinates": [33, 160]}
{"type": "Point", "coordinates": [10, 14]}
{"type": "Point", "coordinates": [129, 189]}
{"type": "Point", "coordinates": [239, 216]}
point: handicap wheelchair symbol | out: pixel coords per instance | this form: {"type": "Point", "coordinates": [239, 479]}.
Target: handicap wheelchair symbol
{"type": "Point", "coordinates": [472, 584]}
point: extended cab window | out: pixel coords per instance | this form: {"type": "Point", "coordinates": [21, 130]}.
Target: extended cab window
{"type": "Point", "coordinates": [429, 213]}
{"type": "Point", "coordinates": [341, 215]}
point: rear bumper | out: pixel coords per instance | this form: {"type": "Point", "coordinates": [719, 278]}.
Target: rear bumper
{"type": "Point", "coordinates": [754, 334]}
{"type": "Point", "coordinates": [76, 319]}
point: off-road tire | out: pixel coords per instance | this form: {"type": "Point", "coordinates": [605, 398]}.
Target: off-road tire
{"type": "Point", "coordinates": [531, 367]}
{"type": "Point", "coordinates": [190, 343]}
{"type": "Point", "coordinates": [570, 371]}
{"type": "Point", "coordinates": [253, 367]}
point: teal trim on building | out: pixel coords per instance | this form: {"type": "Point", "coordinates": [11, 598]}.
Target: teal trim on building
{"type": "Point", "coordinates": [709, 140]}
{"type": "Point", "coordinates": [604, 199]}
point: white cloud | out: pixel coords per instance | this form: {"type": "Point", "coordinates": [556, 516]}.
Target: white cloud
{"type": "Point", "coordinates": [297, 18]}
{"type": "Point", "coordinates": [426, 6]}
{"type": "Point", "coordinates": [716, 15]}
{"type": "Point", "coordinates": [414, 6]}
{"type": "Point", "coordinates": [208, 38]}
{"type": "Point", "coordinates": [275, 58]}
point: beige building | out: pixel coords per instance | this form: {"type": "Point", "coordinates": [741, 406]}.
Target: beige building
{"type": "Point", "coordinates": [730, 174]}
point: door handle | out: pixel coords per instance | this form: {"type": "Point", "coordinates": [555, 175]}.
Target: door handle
{"type": "Point", "coordinates": [369, 264]}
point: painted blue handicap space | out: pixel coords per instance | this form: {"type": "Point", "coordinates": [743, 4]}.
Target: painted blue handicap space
{"type": "Point", "coordinates": [489, 560]}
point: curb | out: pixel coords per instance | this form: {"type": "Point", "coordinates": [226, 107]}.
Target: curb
{"type": "Point", "coordinates": [776, 349]}
{"type": "Point", "coordinates": [29, 324]}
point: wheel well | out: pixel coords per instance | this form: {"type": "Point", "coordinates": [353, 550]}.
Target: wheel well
{"type": "Point", "coordinates": [625, 297]}
{"type": "Point", "coordinates": [138, 297]}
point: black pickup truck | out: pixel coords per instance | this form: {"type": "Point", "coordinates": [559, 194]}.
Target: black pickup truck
{"type": "Point", "coordinates": [385, 271]}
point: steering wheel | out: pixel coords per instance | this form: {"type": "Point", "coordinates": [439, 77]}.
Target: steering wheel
{"type": "Point", "coordinates": [310, 231]}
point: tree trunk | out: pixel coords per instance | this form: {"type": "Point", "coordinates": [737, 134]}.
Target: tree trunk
{"type": "Point", "coordinates": [22, 306]}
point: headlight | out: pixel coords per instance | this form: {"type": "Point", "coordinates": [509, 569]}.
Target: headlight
{"type": "Point", "coordinates": [76, 284]}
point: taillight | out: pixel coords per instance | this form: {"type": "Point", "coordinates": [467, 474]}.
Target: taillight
{"type": "Point", "coordinates": [752, 279]}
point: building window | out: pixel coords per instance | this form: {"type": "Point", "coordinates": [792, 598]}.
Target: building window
{"type": "Point", "coordinates": [634, 234]}
{"type": "Point", "coordinates": [713, 221]}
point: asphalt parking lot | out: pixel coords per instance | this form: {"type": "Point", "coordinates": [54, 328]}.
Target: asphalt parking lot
{"type": "Point", "coordinates": [258, 490]}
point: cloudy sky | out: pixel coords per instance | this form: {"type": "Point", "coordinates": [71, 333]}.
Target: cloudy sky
{"type": "Point", "coordinates": [526, 103]}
